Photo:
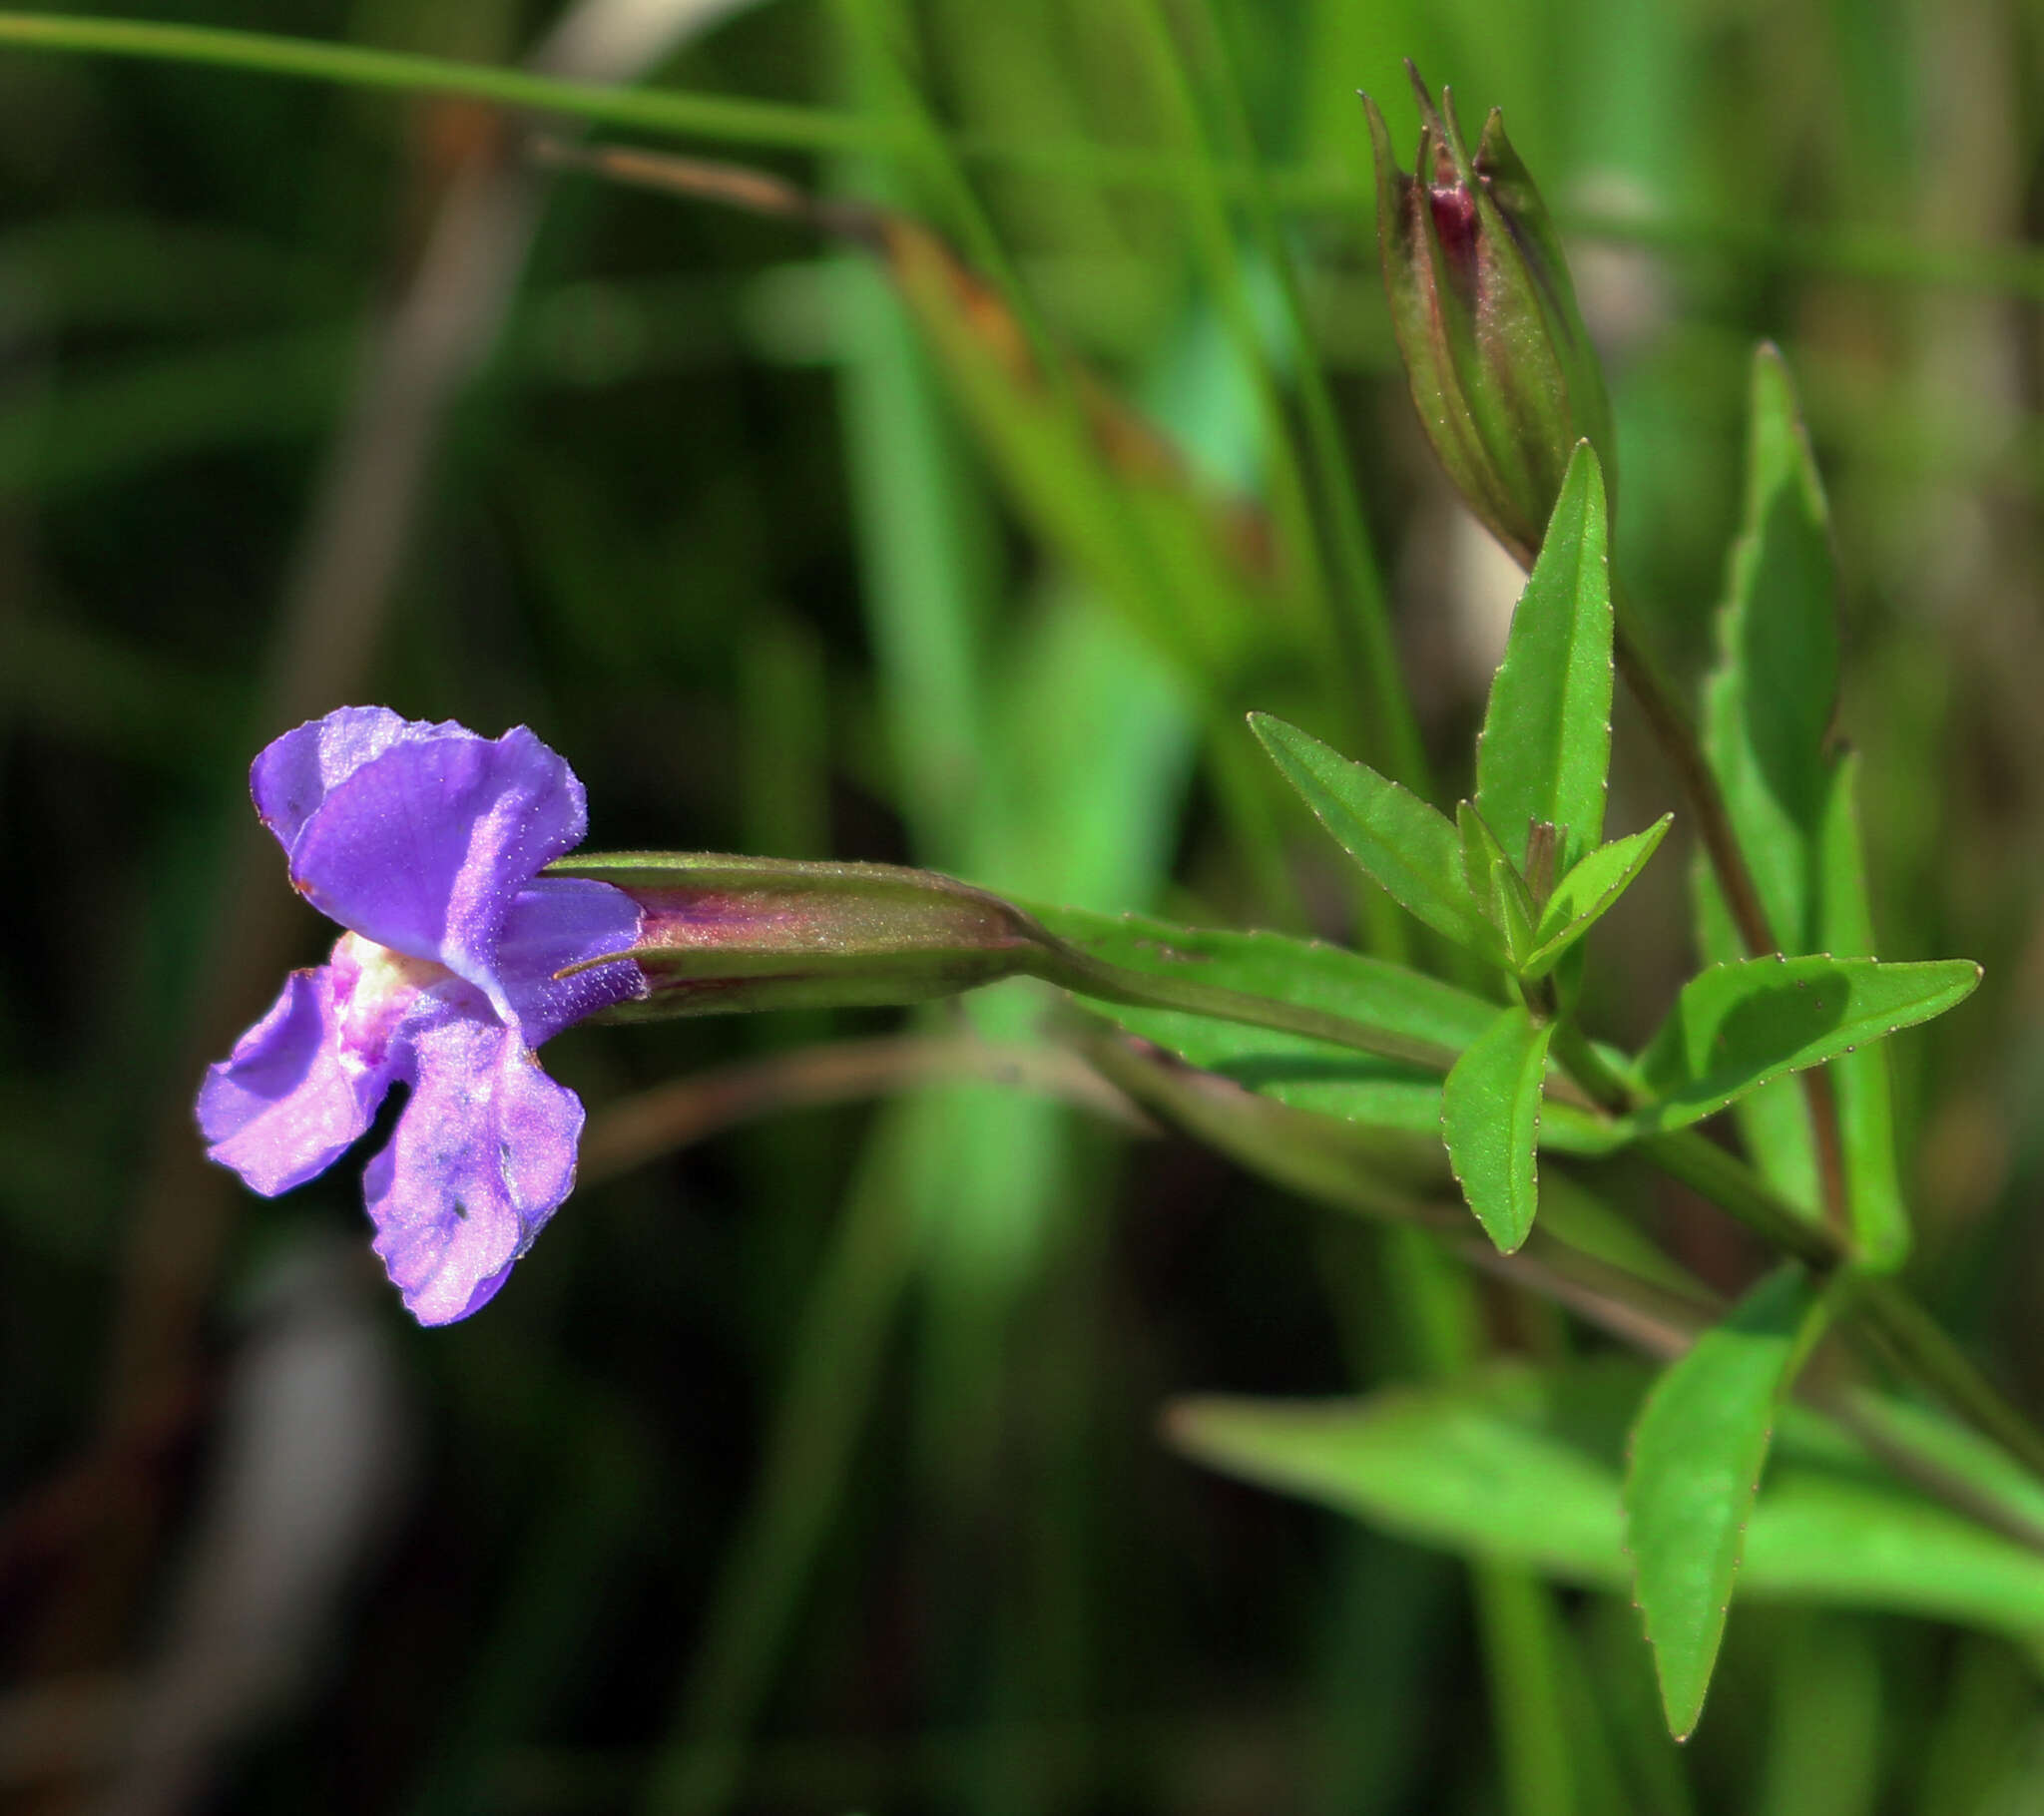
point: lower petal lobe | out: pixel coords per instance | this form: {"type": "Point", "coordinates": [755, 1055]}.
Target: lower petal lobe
{"type": "Point", "coordinates": [482, 1156]}
{"type": "Point", "coordinates": [289, 1099]}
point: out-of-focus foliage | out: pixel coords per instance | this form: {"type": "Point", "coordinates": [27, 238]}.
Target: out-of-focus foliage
{"type": "Point", "coordinates": [814, 1466]}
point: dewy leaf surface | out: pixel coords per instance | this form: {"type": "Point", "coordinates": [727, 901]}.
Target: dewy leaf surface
{"type": "Point", "coordinates": [1546, 744]}
{"type": "Point", "coordinates": [1696, 1459]}
{"type": "Point", "coordinates": [1523, 1465]}
{"type": "Point", "coordinates": [1408, 846]}
{"type": "Point", "coordinates": [1490, 1118]}
{"type": "Point", "coordinates": [1737, 1025]}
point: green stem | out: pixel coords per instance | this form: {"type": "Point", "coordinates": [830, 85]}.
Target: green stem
{"type": "Point", "coordinates": [1871, 257]}
{"type": "Point", "coordinates": [738, 121]}
{"type": "Point", "coordinates": [1929, 1352]}
{"type": "Point", "coordinates": [1697, 1161]}
{"type": "Point", "coordinates": [1354, 556]}
{"type": "Point", "coordinates": [1083, 974]}
{"type": "Point", "coordinates": [1917, 1341]}
{"type": "Point", "coordinates": [1677, 736]}
{"type": "Point", "coordinates": [1700, 1164]}
{"type": "Point", "coordinates": [1674, 731]}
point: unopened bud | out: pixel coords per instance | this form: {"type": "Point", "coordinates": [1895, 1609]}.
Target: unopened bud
{"type": "Point", "coordinates": [1502, 370]}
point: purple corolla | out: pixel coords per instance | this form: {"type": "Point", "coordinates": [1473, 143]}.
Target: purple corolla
{"type": "Point", "coordinates": [426, 843]}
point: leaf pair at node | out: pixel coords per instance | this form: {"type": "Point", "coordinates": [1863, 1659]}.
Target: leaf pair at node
{"type": "Point", "coordinates": [1519, 876]}
{"type": "Point", "coordinates": [1541, 768]}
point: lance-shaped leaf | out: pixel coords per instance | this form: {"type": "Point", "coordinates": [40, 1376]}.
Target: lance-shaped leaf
{"type": "Point", "coordinates": [1490, 1120]}
{"type": "Point", "coordinates": [1866, 1130]}
{"type": "Point", "coordinates": [1545, 750]}
{"type": "Point", "coordinates": [1582, 896]}
{"type": "Point", "coordinates": [1523, 1465]}
{"type": "Point", "coordinates": [1696, 1459]}
{"type": "Point", "coordinates": [1500, 892]}
{"type": "Point", "coordinates": [1768, 706]}
{"type": "Point", "coordinates": [1735, 1026]}
{"type": "Point", "coordinates": [1408, 846]}
{"type": "Point", "coordinates": [1307, 1074]}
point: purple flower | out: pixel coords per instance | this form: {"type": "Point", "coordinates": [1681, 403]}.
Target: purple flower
{"type": "Point", "coordinates": [426, 843]}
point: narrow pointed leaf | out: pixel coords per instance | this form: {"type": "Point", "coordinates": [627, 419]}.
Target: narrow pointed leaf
{"type": "Point", "coordinates": [1768, 706]}
{"type": "Point", "coordinates": [1873, 1190]}
{"type": "Point", "coordinates": [1546, 746]}
{"type": "Point", "coordinates": [1523, 1467]}
{"type": "Point", "coordinates": [1490, 1120]}
{"type": "Point", "coordinates": [1735, 1026]}
{"type": "Point", "coordinates": [1494, 881]}
{"type": "Point", "coordinates": [1307, 1073]}
{"type": "Point", "coordinates": [1588, 890]}
{"type": "Point", "coordinates": [1696, 1459]}
{"type": "Point", "coordinates": [1773, 1118]}
{"type": "Point", "coordinates": [1408, 846]}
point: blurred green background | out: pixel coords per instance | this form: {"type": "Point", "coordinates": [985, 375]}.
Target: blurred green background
{"type": "Point", "coordinates": [810, 1465]}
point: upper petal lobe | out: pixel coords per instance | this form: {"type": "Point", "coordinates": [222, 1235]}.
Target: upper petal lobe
{"type": "Point", "coordinates": [294, 774]}
{"type": "Point", "coordinates": [425, 847]}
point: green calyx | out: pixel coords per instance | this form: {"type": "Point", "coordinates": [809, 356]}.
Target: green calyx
{"type": "Point", "coordinates": [1501, 367]}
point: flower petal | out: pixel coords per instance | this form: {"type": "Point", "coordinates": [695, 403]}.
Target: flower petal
{"type": "Point", "coordinates": [483, 1153]}
{"type": "Point", "coordinates": [556, 922]}
{"type": "Point", "coordinates": [295, 773]}
{"type": "Point", "coordinates": [425, 847]}
{"type": "Point", "coordinates": [291, 1098]}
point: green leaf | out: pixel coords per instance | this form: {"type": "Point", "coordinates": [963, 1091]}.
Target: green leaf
{"type": "Point", "coordinates": [1522, 1466]}
{"type": "Point", "coordinates": [1696, 1460]}
{"type": "Point", "coordinates": [1735, 1026]}
{"type": "Point", "coordinates": [1407, 845]}
{"type": "Point", "coordinates": [1588, 890]}
{"type": "Point", "coordinates": [1773, 1120]}
{"type": "Point", "coordinates": [1546, 744]}
{"type": "Point", "coordinates": [1767, 707]}
{"type": "Point", "coordinates": [1498, 888]}
{"type": "Point", "coordinates": [1873, 1190]}
{"type": "Point", "coordinates": [1295, 1069]}
{"type": "Point", "coordinates": [1370, 1171]}
{"type": "Point", "coordinates": [1490, 1118]}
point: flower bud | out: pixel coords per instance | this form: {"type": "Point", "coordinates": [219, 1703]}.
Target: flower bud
{"type": "Point", "coordinates": [1502, 370]}
{"type": "Point", "coordinates": [721, 935]}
